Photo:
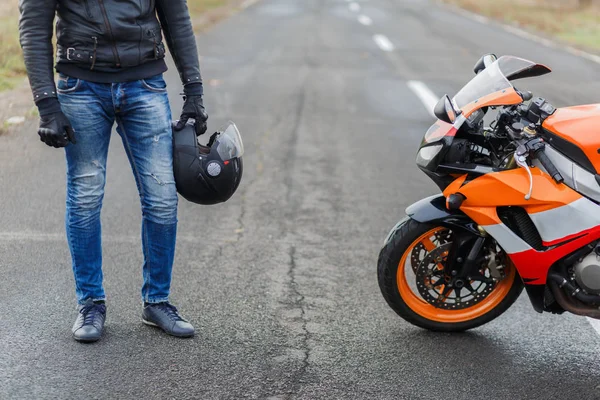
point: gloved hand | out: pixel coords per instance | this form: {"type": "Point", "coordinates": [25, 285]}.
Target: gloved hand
{"type": "Point", "coordinates": [193, 107]}
{"type": "Point", "coordinates": [56, 130]}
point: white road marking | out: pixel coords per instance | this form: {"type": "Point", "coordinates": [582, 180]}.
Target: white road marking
{"type": "Point", "coordinates": [247, 3]}
{"type": "Point", "coordinates": [363, 19]}
{"type": "Point", "coordinates": [594, 323]}
{"type": "Point", "coordinates": [588, 56]}
{"type": "Point", "coordinates": [383, 42]}
{"type": "Point", "coordinates": [477, 17]}
{"type": "Point", "coordinates": [31, 236]}
{"type": "Point", "coordinates": [17, 120]}
{"type": "Point", "coordinates": [60, 237]}
{"type": "Point", "coordinates": [427, 97]}
{"type": "Point", "coordinates": [526, 35]}
{"type": "Point", "coordinates": [354, 7]}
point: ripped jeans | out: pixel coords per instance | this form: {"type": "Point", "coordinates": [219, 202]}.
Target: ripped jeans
{"type": "Point", "coordinates": [143, 116]}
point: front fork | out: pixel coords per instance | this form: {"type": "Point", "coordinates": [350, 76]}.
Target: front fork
{"type": "Point", "coordinates": [463, 257]}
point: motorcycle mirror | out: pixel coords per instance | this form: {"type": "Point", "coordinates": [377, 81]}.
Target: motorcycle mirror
{"type": "Point", "coordinates": [444, 110]}
{"type": "Point", "coordinates": [484, 62]}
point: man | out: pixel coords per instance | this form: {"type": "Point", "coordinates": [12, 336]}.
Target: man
{"type": "Point", "coordinates": [110, 60]}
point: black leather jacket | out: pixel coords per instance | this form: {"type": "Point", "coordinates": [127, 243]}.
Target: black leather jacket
{"type": "Point", "coordinates": [104, 35]}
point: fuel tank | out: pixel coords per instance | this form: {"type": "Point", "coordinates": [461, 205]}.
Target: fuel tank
{"type": "Point", "coordinates": [575, 132]}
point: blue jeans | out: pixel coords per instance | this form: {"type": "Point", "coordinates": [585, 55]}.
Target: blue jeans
{"type": "Point", "coordinates": [143, 116]}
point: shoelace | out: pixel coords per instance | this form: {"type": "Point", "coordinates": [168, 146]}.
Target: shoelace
{"type": "Point", "coordinates": [91, 311]}
{"type": "Point", "coordinates": [170, 310]}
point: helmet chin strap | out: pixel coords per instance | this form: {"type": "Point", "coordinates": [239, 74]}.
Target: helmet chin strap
{"type": "Point", "coordinates": [205, 149]}
{"type": "Point", "coordinates": [212, 139]}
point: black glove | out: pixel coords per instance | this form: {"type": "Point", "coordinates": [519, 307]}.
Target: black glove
{"type": "Point", "coordinates": [193, 107]}
{"type": "Point", "coordinates": [56, 130]}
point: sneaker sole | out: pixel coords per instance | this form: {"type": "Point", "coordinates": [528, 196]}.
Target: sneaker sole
{"type": "Point", "coordinates": [150, 323]}
{"type": "Point", "coordinates": [145, 321]}
{"type": "Point", "coordinates": [80, 340]}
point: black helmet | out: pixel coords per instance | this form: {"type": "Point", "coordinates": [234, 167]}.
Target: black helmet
{"type": "Point", "coordinates": [207, 174]}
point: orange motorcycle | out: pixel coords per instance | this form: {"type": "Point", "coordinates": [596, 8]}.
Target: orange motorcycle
{"type": "Point", "coordinates": [520, 207]}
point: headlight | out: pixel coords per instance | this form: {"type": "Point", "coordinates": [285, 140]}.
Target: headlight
{"type": "Point", "coordinates": [427, 153]}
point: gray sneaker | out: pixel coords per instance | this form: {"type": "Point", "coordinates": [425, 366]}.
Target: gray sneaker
{"type": "Point", "coordinates": [89, 324]}
{"type": "Point", "coordinates": [166, 317]}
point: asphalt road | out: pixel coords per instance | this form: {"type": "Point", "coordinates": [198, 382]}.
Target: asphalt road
{"type": "Point", "coordinates": [281, 280]}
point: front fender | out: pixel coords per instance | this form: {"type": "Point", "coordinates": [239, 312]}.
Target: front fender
{"type": "Point", "coordinates": [432, 210]}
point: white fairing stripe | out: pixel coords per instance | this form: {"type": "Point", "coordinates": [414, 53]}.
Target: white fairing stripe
{"type": "Point", "coordinates": [575, 177]}
{"type": "Point", "coordinates": [507, 239]}
{"type": "Point", "coordinates": [567, 220]}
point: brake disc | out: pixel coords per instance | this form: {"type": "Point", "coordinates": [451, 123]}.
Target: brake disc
{"type": "Point", "coordinates": [416, 255]}
{"type": "Point", "coordinates": [433, 283]}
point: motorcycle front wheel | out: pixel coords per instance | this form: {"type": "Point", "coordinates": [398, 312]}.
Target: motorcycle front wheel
{"type": "Point", "coordinates": [414, 282]}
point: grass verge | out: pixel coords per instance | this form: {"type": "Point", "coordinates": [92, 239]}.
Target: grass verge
{"type": "Point", "coordinates": [201, 6]}
{"type": "Point", "coordinates": [577, 26]}
{"type": "Point", "coordinates": [11, 58]}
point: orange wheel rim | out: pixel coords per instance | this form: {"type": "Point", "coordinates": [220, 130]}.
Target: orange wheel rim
{"type": "Point", "coordinates": [429, 311]}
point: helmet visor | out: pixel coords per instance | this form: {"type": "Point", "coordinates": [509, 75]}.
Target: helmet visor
{"type": "Point", "coordinates": [229, 143]}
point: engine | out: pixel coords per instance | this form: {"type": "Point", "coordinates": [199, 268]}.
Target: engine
{"type": "Point", "coordinates": [587, 273]}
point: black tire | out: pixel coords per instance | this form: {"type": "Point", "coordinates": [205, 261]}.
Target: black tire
{"type": "Point", "coordinates": [400, 240]}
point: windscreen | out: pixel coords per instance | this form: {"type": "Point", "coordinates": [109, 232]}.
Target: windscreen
{"type": "Point", "coordinates": [496, 78]}
{"type": "Point", "coordinates": [488, 81]}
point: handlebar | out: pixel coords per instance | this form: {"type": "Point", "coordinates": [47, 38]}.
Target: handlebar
{"type": "Point", "coordinates": [540, 154]}
{"type": "Point", "coordinates": [526, 96]}
{"type": "Point", "coordinates": [535, 148]}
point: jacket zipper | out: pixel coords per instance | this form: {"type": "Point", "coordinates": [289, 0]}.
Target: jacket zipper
{"type": "Point", "coordinates": [95, 48]}
{"type": "Point", "coordinates": [110, 33]}
{"type": "Point", "coordinates": [154, 40]}
{"type": "Point", "coordinates": [77, 35]}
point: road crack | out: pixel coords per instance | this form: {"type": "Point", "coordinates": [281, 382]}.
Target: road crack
{"type": "Point", "coordinates": [296, 300]}
{"type": "Point", "coordinates": [299, 302]}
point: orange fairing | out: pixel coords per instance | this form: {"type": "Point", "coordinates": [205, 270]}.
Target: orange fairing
{"type": "Point", "coordinates": [508, 188]}
{"type": "Point", "coordinates": [502, 97]}
{"type": "Point", "coordinates": [455, 186]}
{"type": "Point", "coordinates": [579, 125]}
{"type": "Point", "coordinates": [482, 215]}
